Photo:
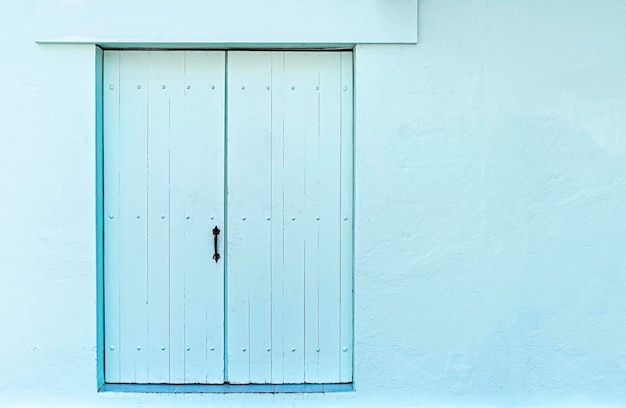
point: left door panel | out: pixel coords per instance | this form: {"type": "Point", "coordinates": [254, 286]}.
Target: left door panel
{"type": "Point", "coordinates": [163, 194]}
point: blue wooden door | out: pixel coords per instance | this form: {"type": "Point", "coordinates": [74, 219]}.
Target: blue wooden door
{"type": "Point", "coordinates": [272, 148]}
{"type": "Point", "coordinates": [289, 225]}
{"type": "Point", "coordinates": [164, 192]}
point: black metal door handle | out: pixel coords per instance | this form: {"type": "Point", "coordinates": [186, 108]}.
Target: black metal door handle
{"type": "Point", "coordinates": [216, 232]}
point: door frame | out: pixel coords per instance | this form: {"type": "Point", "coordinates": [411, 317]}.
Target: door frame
{"type": "Point", "coordinates": [102, 386]}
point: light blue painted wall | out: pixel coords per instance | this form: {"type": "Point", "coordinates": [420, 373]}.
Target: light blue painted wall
{"type": "Point", "coordinates": [490, 203]}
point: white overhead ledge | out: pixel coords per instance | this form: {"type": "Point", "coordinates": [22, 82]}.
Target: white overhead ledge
{"type": "Point", "coordinates": [233, 22]}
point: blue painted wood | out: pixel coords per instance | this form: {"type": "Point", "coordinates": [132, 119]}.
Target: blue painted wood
{"type": "Point", "coordinates": [164, 193]}
{"type": "Point", "coordinates": [289, 230]}
{"type": "Point", "coordinates": [227, 388]}
{"type": "Point", "coordinates": [249, 206]}
{"type": "Point", "coordinates": [347, 224]}
{"type": "Point", "coordinates": [178, 173]}
{"type": "Point", "coordinates": [133, 226]}
{"type": "Point", "coordinates": [289, 190]}
{"type": "Point", "coordinates": [329, 158]}
{"type": "Point", "coordinates": [202, 137]}
{"type": "Point", "coordinates": [99, 223]}
{"type": "Point", "coordinates": [162, 67]}
{"type": "Point", "coordinates": [277, 236]}
{"type": "Point", "coordinates": [111, 147]}
{"type": "Point", "coordinates": [310, 129]}
{"type": "Point", "coordinates": [293, 171]}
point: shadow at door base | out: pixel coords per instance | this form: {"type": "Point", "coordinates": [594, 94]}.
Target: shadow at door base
{"type": "Point", "coordinates": [227, 388]}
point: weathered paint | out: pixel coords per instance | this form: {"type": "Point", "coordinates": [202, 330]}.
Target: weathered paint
{"type": "Point", "coordinates": [489, 211]}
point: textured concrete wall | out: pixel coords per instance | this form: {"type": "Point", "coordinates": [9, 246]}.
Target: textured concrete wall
{"type": "Point", "coordinates": [490, 203]}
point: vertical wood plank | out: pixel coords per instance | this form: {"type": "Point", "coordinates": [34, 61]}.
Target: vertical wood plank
{"type": "Point", "coordinates": [294, 222]}
{"type": "Point", "coordinates": [346, 198]}
{"type": "Point", "coordinates": [159, 71]}
{"type": "Point", "coordinates": [238, 312]}
{"type": "Point", "coordinates": [258, 200]}
{"type": "Point", "coordinates": [204, 200]}
{"type": "Point", "coordinates": [99, 53]}
{"type": "Point", "coordinates": [329, 202]}
{"type": "Point", "coordinates": [249, 197]}
{"type": "Point", "coordinates": [111, 143]}
{"type": "Point", "coordinates": [133, 225]}
{"type": "Point", "coordinates": [179, 172]}
{"type": "Point", "coordinates": [277, 250]}
{"type": "Point", "coordinates": [311, 218]}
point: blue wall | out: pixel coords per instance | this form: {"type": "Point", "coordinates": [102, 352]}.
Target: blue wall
{"type": "Point", "coordinates": [490, 203]}
{"type": "Point", "coordinates": [493, 179]}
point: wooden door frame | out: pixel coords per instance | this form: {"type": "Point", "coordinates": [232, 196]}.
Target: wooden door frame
{"type": "Point", "coordinates": [99, 250]}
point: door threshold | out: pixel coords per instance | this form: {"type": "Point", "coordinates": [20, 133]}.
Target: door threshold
{"type": "Point", "coordinates": [228, 388]}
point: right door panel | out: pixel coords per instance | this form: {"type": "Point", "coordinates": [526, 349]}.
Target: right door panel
{"type": "Point", "coordinates": [289, 218]}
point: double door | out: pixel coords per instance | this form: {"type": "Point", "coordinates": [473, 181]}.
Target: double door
{"type": "Point", "coordinates": [228, 204]}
